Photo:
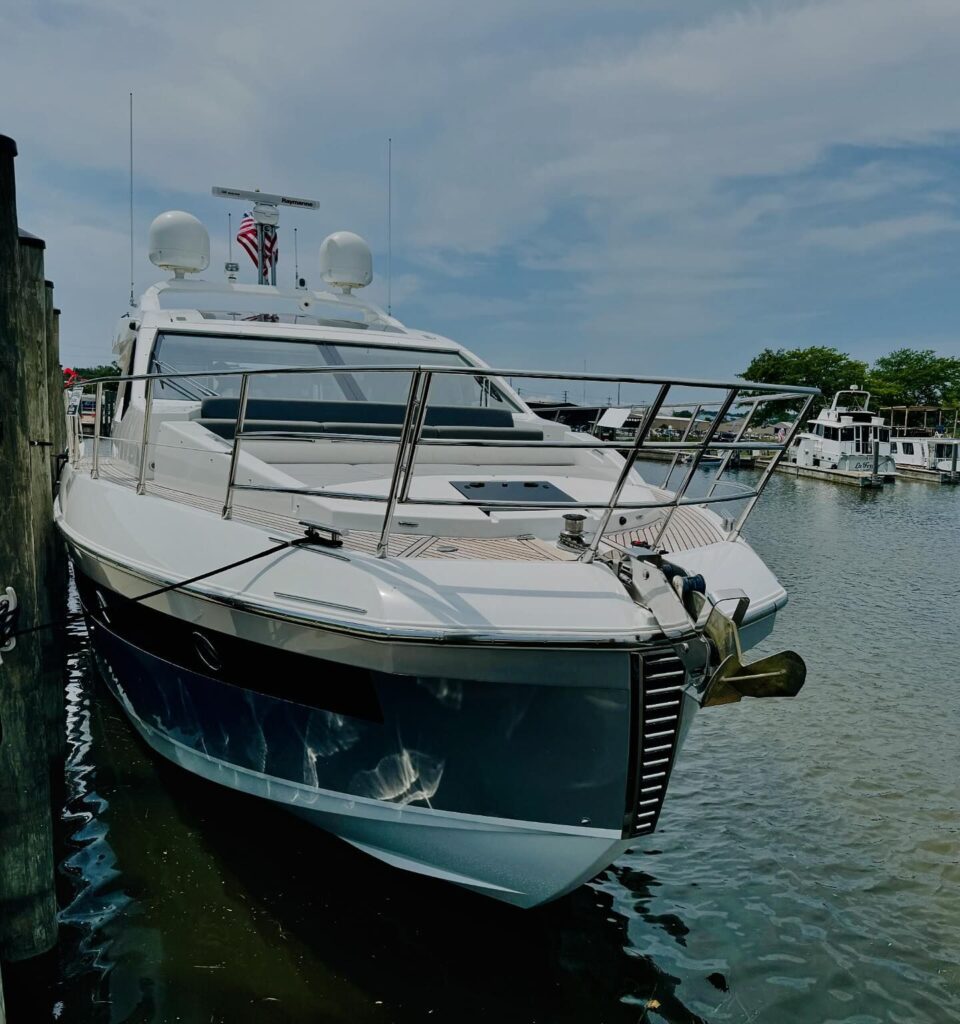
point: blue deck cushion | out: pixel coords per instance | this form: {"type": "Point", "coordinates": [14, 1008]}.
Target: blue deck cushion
{"type": "Point", "coordinates": [305, 410]}
{"type": "Point", "coordinates": [225, 428]}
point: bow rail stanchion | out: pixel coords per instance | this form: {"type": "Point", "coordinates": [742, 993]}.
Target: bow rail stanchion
{"type": "Point", "coordinates": [417, 431]}
{"type": "Point", "coordinates": [235, 454]}
{"type": "Point", "coordinates": [411, 414]}
{"type": "Point", "coordinates": [772, 464]}
{"type": "Point", "coordinates": [145, 436]}
{"type": "Point", "coordinates": [645, 427]}
{"type": "Point", "coordinates": [695, 462]}
{"type": "Point", "coordinates": [728, 453]}
{"type": "Point", "coordinates": [676, 458]}
{"type": "Point", "coordinates": [95, 454]}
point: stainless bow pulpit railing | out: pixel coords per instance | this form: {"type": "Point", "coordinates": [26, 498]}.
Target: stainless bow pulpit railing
{"type": "Point", "coordinates": [411, 440]}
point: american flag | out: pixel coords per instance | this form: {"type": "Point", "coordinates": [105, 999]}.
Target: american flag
{"type": "Point", "coordinates": [247, 237]}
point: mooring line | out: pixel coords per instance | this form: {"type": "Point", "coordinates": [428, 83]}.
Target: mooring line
{"type": "Point", "coordinates": [310, 538]}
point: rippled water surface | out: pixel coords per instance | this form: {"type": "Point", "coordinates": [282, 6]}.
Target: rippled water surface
{"type": "Point", "coordinates": [806, 867]}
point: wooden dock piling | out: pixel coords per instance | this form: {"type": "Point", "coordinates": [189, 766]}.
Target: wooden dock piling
{"type": "Point", "coordinates": [31, 685]}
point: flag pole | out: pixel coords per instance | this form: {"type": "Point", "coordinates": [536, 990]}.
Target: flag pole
{"type": "Point", "coordinates": [230, 237]}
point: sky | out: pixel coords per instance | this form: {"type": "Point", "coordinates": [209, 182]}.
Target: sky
{"type": "Point", "coordinates": [642, 187]}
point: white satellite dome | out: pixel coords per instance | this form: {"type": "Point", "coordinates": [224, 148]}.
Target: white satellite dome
{"type": "Point", "coordinates": [346, 261]}
{"type": "Point", "coordinates": [179, 242]}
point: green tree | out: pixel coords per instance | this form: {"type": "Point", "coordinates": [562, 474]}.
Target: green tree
{"type": "Point", "coordinates": [817, 366]}
{"type": "Point", "coordinates": [915, 377]}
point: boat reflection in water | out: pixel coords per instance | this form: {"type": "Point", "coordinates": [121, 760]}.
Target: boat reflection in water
{"type": "Point", "coordinates": [198, 908]}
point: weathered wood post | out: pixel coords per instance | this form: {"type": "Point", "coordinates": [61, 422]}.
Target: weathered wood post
{"type": "Point", "coordinates": [57, 576]}
{"type": "Point", "coordinates": [28, 924]}
{"type": "Point", "coordinates": [58, 419]}
{"type": "Point", "coordinates": [47, 552]}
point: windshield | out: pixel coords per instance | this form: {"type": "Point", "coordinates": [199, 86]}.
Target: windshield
{"type": "Point", "coordinates": [208, 357]}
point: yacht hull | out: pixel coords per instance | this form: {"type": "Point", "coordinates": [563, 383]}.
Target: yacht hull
{"type": "Point", "coordinates": [521, 789]}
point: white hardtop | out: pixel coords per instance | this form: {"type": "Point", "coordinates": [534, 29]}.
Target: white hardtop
{"type": "Point", "coordinates": [184, 305]}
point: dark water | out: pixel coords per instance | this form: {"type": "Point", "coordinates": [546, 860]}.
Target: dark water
{"type": "Point", "coordinates": [806, 867]}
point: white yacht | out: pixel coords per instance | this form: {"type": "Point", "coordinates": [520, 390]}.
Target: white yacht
{"type": "Point", "coordinates": [846, 436]}
{"type": "Point", "coordinates": [338, 564]}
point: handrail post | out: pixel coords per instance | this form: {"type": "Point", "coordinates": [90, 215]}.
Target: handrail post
{"type": "Point", "coordinates": [95, 455]}
{"type": "Point", "coordinates": [728, 455]}
{"type": "Point", "coordinates": [409, 417]}
{"type": "Point", "coordinates": [147, 408]}
{"type": "Point", "coordinates": [771, 466]}
{"type": "Point", "coordinates": [695, 462]}
{"type": "Point", "coordinates": [235, 454]}
{"type": "Point", "coordinates": [676, 458]}
{"type": "Point", "coordinates": [628, 463]}
{"type": "Point", "coordinates": [415, 438]}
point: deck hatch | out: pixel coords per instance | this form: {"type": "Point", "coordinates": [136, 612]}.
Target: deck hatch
{"type": "Point", "coordinates": [511, 490]}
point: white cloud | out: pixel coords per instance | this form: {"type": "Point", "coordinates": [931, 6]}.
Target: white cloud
{"type": "Point", "coordinates": [609, 156]}
{"type": "Point", "coordinates": [861, 237]}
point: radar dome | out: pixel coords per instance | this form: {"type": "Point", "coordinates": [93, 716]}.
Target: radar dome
{"type": "Point", "coordinates": [179, 242]}
{"type": "Point", "coordinates": [345, 261]}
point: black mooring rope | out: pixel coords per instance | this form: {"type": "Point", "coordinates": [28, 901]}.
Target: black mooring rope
{"type": "Point", "coordinates": [310, 538]}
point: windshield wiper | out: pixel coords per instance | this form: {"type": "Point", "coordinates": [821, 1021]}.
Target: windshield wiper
{"type": "Point", "coordinates": [181, 386]}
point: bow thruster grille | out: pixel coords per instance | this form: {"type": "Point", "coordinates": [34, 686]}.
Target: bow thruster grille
{"type": "Point", "coordinates": [658, 678]}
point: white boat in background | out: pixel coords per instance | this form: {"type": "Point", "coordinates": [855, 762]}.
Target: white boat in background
{"type": "Point", "coordinates": [938, 454]}
{"type": "Point", "coordinates": [845, 436]}
{"type": "Point", "coordinates": [338, 564]}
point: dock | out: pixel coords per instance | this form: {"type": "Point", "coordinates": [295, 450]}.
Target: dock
{"type": "Point", "coordinates": [839, 476]}
{"type": "Point", "coordinates": [33, 586]}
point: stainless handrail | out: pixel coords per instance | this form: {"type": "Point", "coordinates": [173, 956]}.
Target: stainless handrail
{"type": "Point", "coordinates": [414, 418]}
{"type": "Point", "coordinates": [780, 390]}
{"type": "Point", "coordinates": [478, 442]}
{"type": "Point", "coordinates": [319, 492]}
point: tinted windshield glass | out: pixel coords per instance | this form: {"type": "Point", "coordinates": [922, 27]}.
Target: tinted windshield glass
{"type": "Point", "coordinates": [208, 357]}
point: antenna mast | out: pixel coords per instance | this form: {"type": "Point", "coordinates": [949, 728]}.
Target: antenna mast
{"type": "Point", "coordinates": [266, 215]}
{"type": "Point", "coordinates": [296, 262]}
{"type": "Point", "coordinates": [133, 301]}
{"type": "Point", "coordinates": [389, 226]}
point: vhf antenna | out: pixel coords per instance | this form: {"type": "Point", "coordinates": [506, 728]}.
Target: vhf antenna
{"type": "Point", "coordinates": [389, 226]}
{"type": "Point", "coordinates": [133, 301]}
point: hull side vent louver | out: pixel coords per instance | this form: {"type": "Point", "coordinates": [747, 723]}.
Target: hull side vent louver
{"type": "Point", "coordinates": [658, 692]}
